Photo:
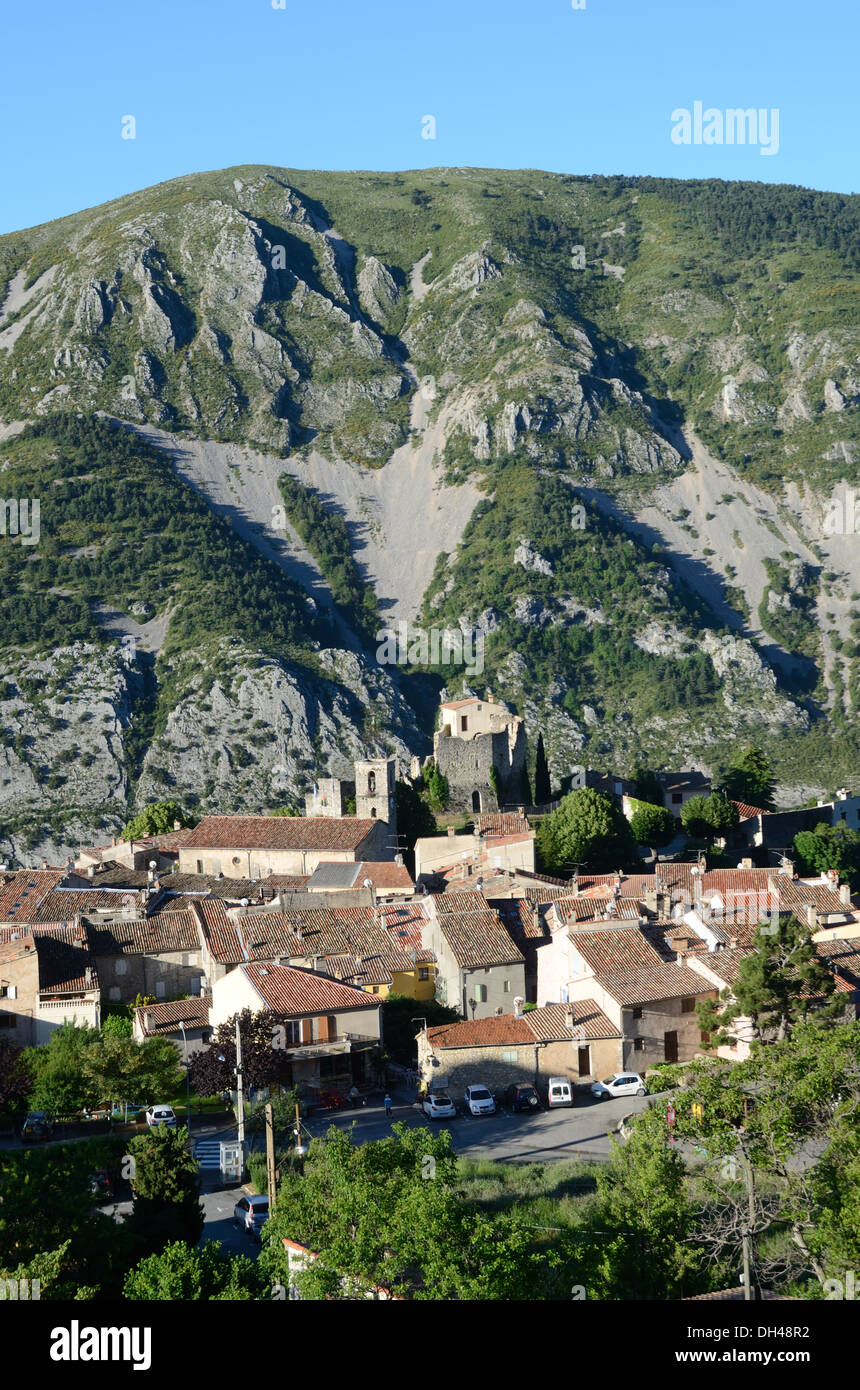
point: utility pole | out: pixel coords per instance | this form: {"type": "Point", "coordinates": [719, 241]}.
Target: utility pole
{"type": "Point", "coordinates": [240, 1098]}
{"type": "Point", "coordinates": [270, 1157]}
{"type": "Point", "coordinates": [748, 1291]}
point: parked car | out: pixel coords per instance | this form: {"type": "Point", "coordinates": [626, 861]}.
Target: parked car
{"type": "Point", "coordinates": [522, 1099]}
{"type": "Point", "coordinates": [437, 1106]}
{"type": "Point", "coordinates": [479, 1101]}
{"type": "Point", "coordinates": [36, 1127]}
{"type": "Point", "coordinates": [560, 1092]}
{"type": "Point", "coordinates": [160, 1115]}
{"type": "Point", "coordinates": [252, 1213]}
{"type": "Point", "coordinates": [622, 1083]}
{"type": "Point", "coordinates": [128, 1112]}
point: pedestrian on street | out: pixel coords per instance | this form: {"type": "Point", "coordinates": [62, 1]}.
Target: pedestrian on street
{"type": "Point", "coordinates": [387, 1106]}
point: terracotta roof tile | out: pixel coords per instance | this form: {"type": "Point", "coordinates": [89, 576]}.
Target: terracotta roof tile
{"type": "Point", "coordinates": [290, 992]}
{"type": "Point", "coordinates": [341, 833]}
{"type": "Point", "coordinates": [503, 823]}
{"type": "Point", "coordinates": [168, 932]}
{"type": "Point", "coordinates": [478, 938]}
{"type": "Point", "coordinates": [165, 1018]}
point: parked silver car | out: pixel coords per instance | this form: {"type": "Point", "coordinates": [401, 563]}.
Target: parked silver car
{"type": "Point", "coordinates": [252, 1213]}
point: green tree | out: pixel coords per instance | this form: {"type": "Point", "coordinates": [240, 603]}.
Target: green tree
{"type": "Point", "coordinates": [436, 786]}
{"type": "Point", "coordinates": [285, 811]}
{"type": "Point", "coordinates": [415, 820]}
{"type": "Point", "coordinates": [829, 847]}
{"type": "Point", "coordinates": [778, 984]}
{"type": "Point", "coordinates": [387, 1214]}
{"type": "Point", "coordinates": [398, 1028]}
{"type": "Point", "coordinates": [182, 1273]}
{"type": "Point", "coordinates": [645, 1217]}
{"type": "Point", "coordinates": [117, 1026]}
{"type": "Point", "coordinates": [122, 1069]}
{"type": "Point", "coordinates": [588, 829]}
{"type": "Point", "coordinates": [707, 817]}
{"type": "Point", "coordinates": [157, 819]}
{"type": "Point", "coordinates": [749, 779]}
{"type": "Point", "coordinates": [166, 1188]}
{"type": "Point", "coordinates": [543, 786]}
{"type": "Point", "coordinates": [61, 1082]}
{"type": "Point", "coordinates": [797, 1095]}
{"type": "Point", "coordinates": [49, 1227]}
{"type": "Point", "coordinates": [16, 1079]}
{"type": "Point", "coordinates": [648, 786]}
{"type": "Point", "coordinates": [652, 825]}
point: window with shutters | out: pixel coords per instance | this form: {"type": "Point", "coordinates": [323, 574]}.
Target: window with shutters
{"type": "Point", "coordinates": [480, 994]}
{"type": "Point", "coordinates": [688, 1006]}
{"type": "Point", "coordinates": [121, 967]}
{"type": "Point", "coordinates": [423, 972]}
{"type": "Point", "coordinates": [160, 989]}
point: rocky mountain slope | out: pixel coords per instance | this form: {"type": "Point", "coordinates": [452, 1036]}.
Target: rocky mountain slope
{"type": "Point", "coordinates": [611, 425]}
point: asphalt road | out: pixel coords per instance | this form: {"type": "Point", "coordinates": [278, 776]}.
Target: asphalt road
{"type": "Point", "coordinates": [578, 1132]}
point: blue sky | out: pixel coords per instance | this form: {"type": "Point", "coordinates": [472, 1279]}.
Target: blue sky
{"type": "Point", "coordinates": [338, 85]}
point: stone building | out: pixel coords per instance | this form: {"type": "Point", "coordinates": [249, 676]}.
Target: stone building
{"type": "Point", "coordinates": [480, 969]}
{"type": "Point", "coordinates": [161, 956]}
{"type": "Point", "coordinates": [480, 748]}
{"type": "Point", "coordinates": [255, 847]}
{"type": "Point", "coordinates": [374, 791]}
{"type": "Point", "coordinates": [47, 978]}
{"type": "Point", "coordinates": [577, 1041]}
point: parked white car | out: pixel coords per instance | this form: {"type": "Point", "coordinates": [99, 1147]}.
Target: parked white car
{"type": "Point", "coordinates": [479, 1101]}
{"type": "Point", "coordinates": [623, 1083]}
{"type": "Point", "coordinates": [252, 1213]}
{"type": "Point", "coordinates": [439, 1107]}
{"type": "Point", "coordinates": [160, 1115]}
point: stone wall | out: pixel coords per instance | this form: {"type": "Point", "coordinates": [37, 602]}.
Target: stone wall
{"type": "Point", "coordinates": [123, 978]}
{"type": "Point", "coordinates": [468, 764]}
{"type": "Point", "coordinates": [523, 1063]}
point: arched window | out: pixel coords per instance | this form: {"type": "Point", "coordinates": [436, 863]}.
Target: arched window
{"type": "Point", "coordinates": [476, 801]}
{"type": "Point", "coordinates": [373, 813]}
{"type": "Point", "coordinates": [371, 782]}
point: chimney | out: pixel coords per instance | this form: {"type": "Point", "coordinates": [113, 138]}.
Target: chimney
{"type": "Point", "coordinates": [44, 864]}
{"type": "Point", "coordinates": [398, 859]}
{"type": "Point", "coordinates": [745, 864]}
{"type": "Point", "coordinates": [845, 894]}
{"type": "Point", "coordinates": [810, 916]}
{"type": "Point", "coordinates": [148, 1022]}
{"type": "Point", "coordinates": [177, 825]}
{"type": "Point", "coordinates": [451, 831]}
{"type": "Point", "coordinates": [518, 1006]}
{"type": "Point", "coordinates": [91, 871]}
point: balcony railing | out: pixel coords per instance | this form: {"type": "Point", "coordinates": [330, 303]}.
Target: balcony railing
{"type": "Point", "coordinates": [341, 1042]}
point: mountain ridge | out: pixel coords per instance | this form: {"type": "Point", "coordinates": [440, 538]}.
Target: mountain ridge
{"type": "Point", "coordinates": [421, 350]}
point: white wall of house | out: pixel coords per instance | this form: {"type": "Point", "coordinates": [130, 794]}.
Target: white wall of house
{"type": "Point", "coordinates": [52, 1013]}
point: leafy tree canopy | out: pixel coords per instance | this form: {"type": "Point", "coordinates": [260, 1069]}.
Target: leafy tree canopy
{"type": "Point", "coordinates": [588, 829]}
{"type": "Point", "coordinates": [157, 819]}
